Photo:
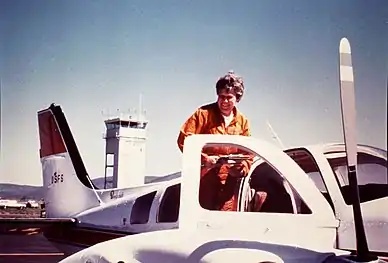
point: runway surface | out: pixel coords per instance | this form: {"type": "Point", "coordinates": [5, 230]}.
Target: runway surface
{"type": "Point", "coordinates": [26, 245]}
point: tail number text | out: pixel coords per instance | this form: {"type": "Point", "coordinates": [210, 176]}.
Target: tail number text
{"type": "Point", "coordinates": [56, 178]}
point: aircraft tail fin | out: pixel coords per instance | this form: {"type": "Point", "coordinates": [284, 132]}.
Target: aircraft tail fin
{"type": "Point", "coordinates": [68, 188]}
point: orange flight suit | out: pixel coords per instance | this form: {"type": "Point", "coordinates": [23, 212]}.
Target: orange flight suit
{"type": "Point", "coordinates": [218, 191]}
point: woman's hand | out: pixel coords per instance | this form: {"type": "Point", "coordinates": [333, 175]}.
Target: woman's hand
{"type": "Point", "coordinates": [237, 171]}
{"type": "Point", "coordinates": [210, 160]}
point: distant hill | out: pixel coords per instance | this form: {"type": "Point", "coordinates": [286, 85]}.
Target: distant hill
{"type": "Point", "coordinates": [15, 191]}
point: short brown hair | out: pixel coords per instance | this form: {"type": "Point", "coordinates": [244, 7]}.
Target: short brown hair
{"type": "Point", "coordinates": [231, 82]}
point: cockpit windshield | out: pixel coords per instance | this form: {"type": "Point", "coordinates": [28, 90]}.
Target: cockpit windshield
{"type": "Point", "coordinates": [372, 176]}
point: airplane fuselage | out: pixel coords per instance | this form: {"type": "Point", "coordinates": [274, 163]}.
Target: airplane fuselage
{"type": "Point", "coordinates": [128, 212]}
{"type": "Point", "coordinates": [202, 234]}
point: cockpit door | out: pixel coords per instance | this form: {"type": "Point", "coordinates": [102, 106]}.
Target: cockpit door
{"type": "Point", "coordinates": [320, 221]}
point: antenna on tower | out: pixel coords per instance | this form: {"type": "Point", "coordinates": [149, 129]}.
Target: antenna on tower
{"type": "Point", "coordinates": [274, 135]}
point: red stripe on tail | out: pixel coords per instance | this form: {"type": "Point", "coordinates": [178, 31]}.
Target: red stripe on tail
{"type": "Point", "coordinates": [51, 141]}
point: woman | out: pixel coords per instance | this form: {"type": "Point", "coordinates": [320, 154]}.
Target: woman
{"type": "Point", "coordinates": [219, 183]}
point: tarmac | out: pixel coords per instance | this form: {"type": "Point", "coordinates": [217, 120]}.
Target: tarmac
{"type": "Point", "coordinates": [24, 243]}
{"type": "Point", "coordinates": [27, 245]}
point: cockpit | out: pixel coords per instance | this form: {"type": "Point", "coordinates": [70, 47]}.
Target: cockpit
{"type": "Point", "coordinates": [280, 196]}
{"type": "Point", "coordinates": [263, 189]}
{"type": "Point", "coordinates": [372, 175]}
{"type": "Point", "coordinates": [371, 172]}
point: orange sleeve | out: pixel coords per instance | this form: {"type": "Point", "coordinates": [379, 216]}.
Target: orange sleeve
{"type": "Point", "coordinates": [192, 125]}
{"type": "Point", "coordinates": [246, 128]}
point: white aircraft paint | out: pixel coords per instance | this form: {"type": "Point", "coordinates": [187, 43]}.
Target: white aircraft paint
{"type": "Point", "coordinates": [215, 236]}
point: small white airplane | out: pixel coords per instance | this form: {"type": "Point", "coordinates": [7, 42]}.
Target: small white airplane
{"type": "Point", "coordinates": [312, 212]}
{"type": "Point", "coordinates": [4, 204]}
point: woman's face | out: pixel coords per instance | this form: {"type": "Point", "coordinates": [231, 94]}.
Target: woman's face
{"type": "Point", "coordinates": [226, 101]}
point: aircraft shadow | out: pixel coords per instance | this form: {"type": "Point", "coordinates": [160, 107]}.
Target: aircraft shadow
{"type": "Point", "coordinates": [283, 252]}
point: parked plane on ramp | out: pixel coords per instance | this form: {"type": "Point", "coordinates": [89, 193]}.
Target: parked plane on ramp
{"type": "Point", "coordinates": [312, 212]}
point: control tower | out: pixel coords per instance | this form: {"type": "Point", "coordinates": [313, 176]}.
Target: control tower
{"type": "Point", "coordinates": [125, 150]}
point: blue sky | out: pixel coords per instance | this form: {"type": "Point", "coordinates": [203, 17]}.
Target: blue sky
{"type": "Point", "coordinates": [90, 56]}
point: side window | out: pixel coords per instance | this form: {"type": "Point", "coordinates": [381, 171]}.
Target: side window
{"type": "Point", "coordinates": [371, 176]}
{"type": "Point", "coordinates": [281, 197]}
{"type": "Point", "coordinates": [221, 183]}
{"type": "Point", "coordinates": [307, 163]}
{"type": "Point", "coordinates": [221, 180]}
{"type": "Point", "coordinates": [169, 206]}
{"type": "Point", "coordinates": [141, 209]}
